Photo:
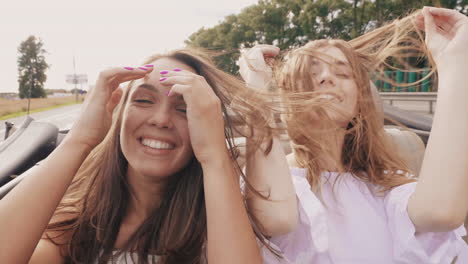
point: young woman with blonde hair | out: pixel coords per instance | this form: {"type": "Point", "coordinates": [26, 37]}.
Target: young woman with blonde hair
{"type": "Point", "coordinates": [356, 201]}
{"type": "Point", "coordinates": [152, 182]}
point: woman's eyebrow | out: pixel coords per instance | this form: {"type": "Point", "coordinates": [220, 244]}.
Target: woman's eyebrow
{"type": "Point", "coordinates": [154, 89]}
{"type": "Point", "coordinates": [148, 87]}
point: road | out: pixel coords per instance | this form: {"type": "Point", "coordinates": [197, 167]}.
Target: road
{"type": "Point", "coordinates": [62, 117]}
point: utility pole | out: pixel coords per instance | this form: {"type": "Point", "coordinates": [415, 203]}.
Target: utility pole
{"type": "Point", "coordinates": [75, 80]}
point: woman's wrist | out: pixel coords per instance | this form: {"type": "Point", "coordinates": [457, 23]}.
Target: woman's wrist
{"type": "Point", "coordinates": [217, 160]}
{"type": "Point", "coordinates": [69, 142]}
{"type": "Point", "coordinates": [452, 64]}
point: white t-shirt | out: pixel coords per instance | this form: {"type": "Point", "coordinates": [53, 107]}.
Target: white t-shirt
{"type": "Point", "coordinates": [351, 223]}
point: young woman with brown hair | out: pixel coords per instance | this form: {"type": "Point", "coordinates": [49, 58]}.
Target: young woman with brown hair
{"type": "Point", "coordinates": [356, 201]}
{"type": "Point", "coordinates": [152, 182]}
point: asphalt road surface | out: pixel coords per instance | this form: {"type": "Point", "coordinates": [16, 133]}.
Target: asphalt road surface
{"type": "Point", "coordinates": [62, 117]}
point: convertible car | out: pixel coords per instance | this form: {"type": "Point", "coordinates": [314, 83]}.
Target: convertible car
{"type": "Point", "coordinates": [26, 144]}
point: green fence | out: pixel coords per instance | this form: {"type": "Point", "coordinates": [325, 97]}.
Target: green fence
{"type": "Point", "coordinates": [400, 77]}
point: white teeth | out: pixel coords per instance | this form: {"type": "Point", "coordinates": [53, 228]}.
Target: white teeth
{"type": "Point", "coordinates": [156, 144]}
{"type": "Point", "coordinates": [327, 96]}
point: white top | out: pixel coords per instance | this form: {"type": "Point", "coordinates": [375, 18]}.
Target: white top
{"type": "Point", "coordinates": [126, 258]}
{"type": "Point", "coordinates": [354, 224]}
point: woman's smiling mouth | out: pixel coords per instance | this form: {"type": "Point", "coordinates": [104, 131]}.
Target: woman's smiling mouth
{"type": "Point", "coordinates": [153, 146]}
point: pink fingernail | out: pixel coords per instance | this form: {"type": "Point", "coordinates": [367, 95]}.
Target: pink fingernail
{"type": "Point", "coordinates": [149, 65]}
{"type": "Point", "coordinates": [163, 72]}
{"type": "Point", "coordinates": [177, 70]}
{"type": "Point", "coordinates": [142, 68]}
{"type": "Point", "coordinates": [168, 92]}
{"type": "Point", "coordinates": [128, 68]}
{"type": "Point", "coordinates": [162, 79]}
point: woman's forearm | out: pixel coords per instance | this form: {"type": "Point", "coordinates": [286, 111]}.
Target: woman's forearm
{"type": "Point", "coordinates": [27, 209]}
{"type": "Point", "coordinates": [230, 236]}
{"type": "Point", "coordinates": [440, 201]}
{"type": "Point", "coordinates": [269, 174]}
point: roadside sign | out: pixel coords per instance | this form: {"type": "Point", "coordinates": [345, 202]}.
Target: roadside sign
{"type": "Point", "coordinates": [76, 78]}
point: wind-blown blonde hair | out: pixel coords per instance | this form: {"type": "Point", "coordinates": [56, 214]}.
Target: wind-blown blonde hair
{"type": "Point", "coordinates": [86, 223]}
{"type": "Point", "coordinates": [367, 152]}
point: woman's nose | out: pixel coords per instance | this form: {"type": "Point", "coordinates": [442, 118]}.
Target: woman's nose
{"type": "Point", "coordinates": [161, 118]}
{"type": "Point", "coordinates": [326, 77]}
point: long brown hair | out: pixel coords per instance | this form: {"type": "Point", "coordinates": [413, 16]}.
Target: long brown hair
{"type": "Point", "coordinates": [97, 199]}
{"type": "Point", "coordinates": [367, 151]}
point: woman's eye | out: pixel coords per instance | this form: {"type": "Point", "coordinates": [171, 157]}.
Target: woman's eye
{"type": "Point", "coordinates": [342, 75]}
{"type": "Point", "coordinates": [143, 101]}
{"type": "Point", "coordinates": [182, 110]}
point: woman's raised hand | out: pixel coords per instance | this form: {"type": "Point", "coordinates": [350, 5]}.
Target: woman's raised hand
{"type": "Point", "coordinates": [443, 176]}
{"type": "Point", "coordinates": [254, 65]}
{"type": "Point", "coordinates": [96, 114]}
{"type": "Point", "coordinates": [446, 34]}
{"type": "Point", "coordinates": [204, 115]}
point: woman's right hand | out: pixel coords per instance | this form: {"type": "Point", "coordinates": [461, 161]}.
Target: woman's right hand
{"type": "Point", "coordinates": [96, 113]}
{"type": "Point", "coordinates": [254, 65]}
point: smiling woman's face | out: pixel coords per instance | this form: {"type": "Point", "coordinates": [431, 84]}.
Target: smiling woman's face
{"type": "Point", "coordinates": [154, 135]}
{"type": "Point", "coordinates": [336, 76]}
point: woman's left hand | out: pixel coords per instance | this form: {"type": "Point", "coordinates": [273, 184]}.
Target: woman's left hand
{"type": "Point", "coordinates": [443, 175]}
{"type": "Point", "coordinates": [204, 115]}
{"type": "Point", "coordinates": [446, 33]}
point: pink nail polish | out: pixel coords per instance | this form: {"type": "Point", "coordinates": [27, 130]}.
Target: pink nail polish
{"type": "Point", "coordinates": [163, 72]}
{"type": "Point", "coordinates": [128, 68]}
{"type": "Point", "coordinates": [168, 92]}
{"type": "Point", "coordinates": [162, 79]}
{"type": "Point", "coordinates": [177, 70]}
{"type": "Point", "coordinates": [142, 68]}
{"type": "Point", "coordinates": [149, 65]}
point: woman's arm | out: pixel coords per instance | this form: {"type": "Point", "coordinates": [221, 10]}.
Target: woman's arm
{"type": "Point", "coordinates": [27, 209]}
{"type": "Point", "coordinates": [230, 236]}
{"type": "Point", "coordinates": [440, 201]}
{"type": "Point", "coordinates": [46, 252]}
{"type": "Point", "coordinates": [269, 174]}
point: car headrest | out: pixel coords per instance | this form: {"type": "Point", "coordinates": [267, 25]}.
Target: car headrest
{"type": "Point", "coordinates": [377, 102]}
{"type": "Point", "coordinates": [409, 145]}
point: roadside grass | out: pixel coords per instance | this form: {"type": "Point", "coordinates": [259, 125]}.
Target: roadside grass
{"type": "Point", "coordinates": [15, 108]}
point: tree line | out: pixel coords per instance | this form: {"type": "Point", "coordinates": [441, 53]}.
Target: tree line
{"type": "Point", "coordinates": [292, 23]}
{"type": "Point", "coordinates": [284, 23]}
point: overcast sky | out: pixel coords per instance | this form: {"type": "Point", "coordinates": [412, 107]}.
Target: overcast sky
{"type": "Point", "coordinates": [100, 33]}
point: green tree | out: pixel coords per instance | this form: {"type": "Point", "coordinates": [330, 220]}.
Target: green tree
{"type": "Point", "coordinates": [31, 68]}
{"type": "Point", "coordinates": [292, 23]}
